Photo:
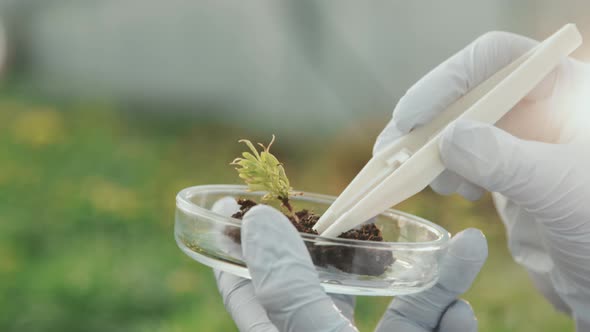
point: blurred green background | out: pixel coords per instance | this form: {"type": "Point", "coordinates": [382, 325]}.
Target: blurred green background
{"type": "Point", "coordinates": [108, 108]}
{"type": "Point", "coordinates": [86, 220]}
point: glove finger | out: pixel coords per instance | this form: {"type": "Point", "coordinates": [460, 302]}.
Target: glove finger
{"type": "Point", "coordinates": [456, 76]}
{"type": "Point", "coordinates": [470, 191]}
{"type": "Point", "coordinates": [226, 206]}
{"type": "Point", "coordinates": [238, 293]}
{"type": "Point", "coordinates": [449, 182]}
{"type": "Point", "coordinates": [346, 304]}
{"type": "Point", "coordinates": [459, 316]}
{"type": "Point", "coordinates": [466, 254]}
{"type": "Point", "coordinates": [284, 278]}
{"type": "Point", "coordinates": [399, 323]}
{"type": "Point", "coordinates": [241, 303]}
{"type": "Point", "coordinates": [446, 183]}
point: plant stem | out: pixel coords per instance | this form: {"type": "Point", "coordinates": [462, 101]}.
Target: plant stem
{"type": "Point", "coordinates": [286, 204]}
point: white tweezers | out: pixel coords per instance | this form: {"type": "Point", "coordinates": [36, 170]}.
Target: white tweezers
{"type": "Point", "coordinates": [408, 165]}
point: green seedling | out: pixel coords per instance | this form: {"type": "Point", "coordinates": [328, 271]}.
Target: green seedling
{"type": "Point", "coordinates": [262, 171]}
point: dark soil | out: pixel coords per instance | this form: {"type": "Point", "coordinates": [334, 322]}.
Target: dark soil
{"type": "Point", "coordinates": [351, 260]}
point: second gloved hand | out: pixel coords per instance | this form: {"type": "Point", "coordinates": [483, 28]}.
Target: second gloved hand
{"type": "Point", "coordinates": [285, 293]}
{"type": "Point", "coordinates": [536, 161]}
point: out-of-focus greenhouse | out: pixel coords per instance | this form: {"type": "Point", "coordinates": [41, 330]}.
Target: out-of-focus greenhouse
{"type": "Point", "coordinates": [279, 65]}
{"type": "Point", "coordinates": [109, 108]}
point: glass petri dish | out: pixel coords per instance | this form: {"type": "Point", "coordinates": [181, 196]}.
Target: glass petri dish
{"type": "Point", "coordinates": [406, 262]}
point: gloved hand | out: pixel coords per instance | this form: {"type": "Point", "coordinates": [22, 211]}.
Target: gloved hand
{"type": "Point", "coordinates": [285, 293]}
{"type": "Point", "coordinates": [536, 161]}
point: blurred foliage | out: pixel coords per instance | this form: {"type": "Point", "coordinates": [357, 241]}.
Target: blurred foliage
{"type": "Point", "coordinates": [86, 221]}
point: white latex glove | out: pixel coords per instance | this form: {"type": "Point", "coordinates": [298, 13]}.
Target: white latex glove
{"type": "Point", "coordinates": [285, 293]}
{"type": "Point", "coordinates": [536, 162]}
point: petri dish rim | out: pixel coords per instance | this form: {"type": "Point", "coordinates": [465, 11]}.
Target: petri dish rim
{"type": "Point", "coordinates": [184, 203]}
